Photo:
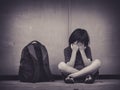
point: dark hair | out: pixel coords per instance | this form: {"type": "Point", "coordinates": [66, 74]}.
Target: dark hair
{"type": "Point", "coordinates": [79, 35]}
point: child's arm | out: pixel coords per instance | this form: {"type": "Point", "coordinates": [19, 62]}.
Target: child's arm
{"type": "Point", "coordinates": [73, 55]}
{"type": "Point", "coordinates": [86, 60]}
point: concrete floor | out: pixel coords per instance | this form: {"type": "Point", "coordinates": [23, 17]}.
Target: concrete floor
{"type": "Point", "coordinates": [108, 84]}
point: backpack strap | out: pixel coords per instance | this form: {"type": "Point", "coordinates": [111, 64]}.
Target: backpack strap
{"type": "Point", "coordinates": [32, 51]}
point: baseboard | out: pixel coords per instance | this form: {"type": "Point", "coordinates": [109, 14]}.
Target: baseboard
{"type": "Point", "coordinates": [56, 77]}
{"type": "Point", "coordinates": [9, 77]}
{"type": "Point", "coordinates": [99, 77]}
{"type": "Point", "coordinates": [109, 77]}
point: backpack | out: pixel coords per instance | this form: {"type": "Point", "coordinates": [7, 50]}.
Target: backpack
{"type": "Point", "coordinates": [34, 63]}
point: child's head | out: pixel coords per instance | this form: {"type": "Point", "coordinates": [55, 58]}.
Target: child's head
{"type": "Point", "coordinates": [79, 35]}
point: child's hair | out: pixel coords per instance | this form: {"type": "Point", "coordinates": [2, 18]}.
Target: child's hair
{"type": "Point", "coordinates": [79, 35]}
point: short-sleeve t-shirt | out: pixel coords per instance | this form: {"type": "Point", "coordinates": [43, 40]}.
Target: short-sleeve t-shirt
{"type": "Point", "coordinates": [79, 61]}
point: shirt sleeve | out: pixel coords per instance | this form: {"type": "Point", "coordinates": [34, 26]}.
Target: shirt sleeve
{"type": "Point", "coordinates": [88, 53]}
{"type": "Point", "coordinates": [67, 54]}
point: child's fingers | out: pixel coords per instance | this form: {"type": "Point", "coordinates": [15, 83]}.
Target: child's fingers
{"type": "Point", "coordinates": [71, 45]}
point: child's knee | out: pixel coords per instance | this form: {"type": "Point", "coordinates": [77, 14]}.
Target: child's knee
{"type": "Point", "coordinates": [61, 65]}
{"type": "Point", "coordinates": [98, 62]}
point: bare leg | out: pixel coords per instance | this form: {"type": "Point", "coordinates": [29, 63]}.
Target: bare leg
{"type": "Point", "coordinates": [66, 68]}
{"type": "Point", "coordinates": [93, 67]}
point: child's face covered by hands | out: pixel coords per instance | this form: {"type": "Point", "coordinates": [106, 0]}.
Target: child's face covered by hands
{"type": "Point", "coordinates": [81, 46]}
{"type": "Point", "coordinates": [77, 45]}
{"type": "Point", "coordinates": [74, 46]}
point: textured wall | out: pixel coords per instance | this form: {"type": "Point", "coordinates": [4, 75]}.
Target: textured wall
{"type": "Point", "coordinates": [100, 18]}
{"type": "Point", "coordinates": [27, 20]}
{"type": "Point", "coordinates": [51, 22]}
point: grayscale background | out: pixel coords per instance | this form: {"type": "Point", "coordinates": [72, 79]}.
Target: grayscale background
{"type": "Point", "coordinates": [51, 22]}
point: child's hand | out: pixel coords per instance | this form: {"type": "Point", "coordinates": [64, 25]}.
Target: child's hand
{"type": "Point", "coordinates": [72, 75]}
{"type": "Point", "coordinates": [74, 47]}
{"type": "Point", "coordinates": [81, 47]}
